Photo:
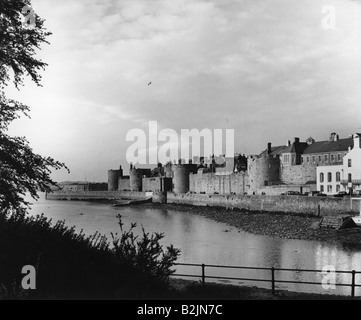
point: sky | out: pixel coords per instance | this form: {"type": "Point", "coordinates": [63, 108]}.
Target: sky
{"type": "Point", "coordinates": [271, 70]}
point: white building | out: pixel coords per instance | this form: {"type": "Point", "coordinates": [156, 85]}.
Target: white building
{"type": "Point", "coordinates": [332, 179]}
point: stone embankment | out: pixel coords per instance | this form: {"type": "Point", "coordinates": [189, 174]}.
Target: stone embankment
{"type": "Point", "coordinates": [275, 224]}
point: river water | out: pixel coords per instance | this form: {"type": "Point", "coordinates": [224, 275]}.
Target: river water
{"type": "Point", "coordinates": [203, 240]}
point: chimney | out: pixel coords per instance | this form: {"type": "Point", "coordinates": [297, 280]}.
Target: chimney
{"type": "Point", "coordinates": [269, 148]}
{"type": "Point", "coordinates": [288, 143]}
{"type": "Point", "coordinates": [336, 138]}
{"type": "Point", "coordinates": [333, 136]}
{"type": "Point", "coordinates": [297, 140]}
{"type": "Point", "coordinates": [356, 141]}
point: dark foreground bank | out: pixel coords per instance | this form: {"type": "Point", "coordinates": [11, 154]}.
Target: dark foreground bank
{"type": "Point", "coordinates": [190, 290]}
{"type": "Point", "coordinates": [281, 225]}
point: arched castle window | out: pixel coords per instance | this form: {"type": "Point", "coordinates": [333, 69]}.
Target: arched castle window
{"type": "Point", "coordinates": [322, 177]}
{"type": "Point", "coordinates": [349, 177]}
{"type": "Point", "coordinates": [349, 163]}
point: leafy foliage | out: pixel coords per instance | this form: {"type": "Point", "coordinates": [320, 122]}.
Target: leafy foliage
{"type": "Point", "coordinates": [73, 265]}
{"type": "Point", "coordinates": [18, 43]}
{"type": "Point", "coordinates": [21, 170]}
{"type": "Point", "coordinates": [145, 254]}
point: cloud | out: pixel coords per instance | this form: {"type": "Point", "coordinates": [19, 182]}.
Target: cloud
{"type": "Point", "coordinates": [249, 65]}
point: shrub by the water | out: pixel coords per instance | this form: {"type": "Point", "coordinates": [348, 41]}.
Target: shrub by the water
{"type": "Point", "coordinates": [70, 265]}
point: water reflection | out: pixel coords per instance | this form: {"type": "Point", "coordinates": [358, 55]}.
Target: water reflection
{"type": "Point", "coordinates": [205, 241]}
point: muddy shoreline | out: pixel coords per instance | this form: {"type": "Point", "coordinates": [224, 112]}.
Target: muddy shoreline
{"type": "Point", "coordinates": [281, 225]}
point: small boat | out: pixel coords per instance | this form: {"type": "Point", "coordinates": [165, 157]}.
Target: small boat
{"type": "Point", "coordinates": [132, 202]}
{"type": "Point", "coordinates": [357, 220]}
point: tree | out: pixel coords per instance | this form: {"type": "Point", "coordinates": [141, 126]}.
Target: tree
{"type": "Point", "coordinates": [22, 32]}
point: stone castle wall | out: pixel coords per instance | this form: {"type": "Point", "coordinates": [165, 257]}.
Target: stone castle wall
{"type": "Point", "coordinates": [300, 174]}
{"type": "Point", "coordinates": [211, 183]}
{"type": "Point", "coordinates": [286, 204]}
{"type": "Point", "coordinates": [124, 184]}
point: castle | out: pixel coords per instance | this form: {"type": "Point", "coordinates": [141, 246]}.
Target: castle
{"type": "Point", "coordinates": [277, 169]}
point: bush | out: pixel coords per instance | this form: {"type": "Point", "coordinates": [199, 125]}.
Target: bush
{"type": "Point", "coordinates": [75, 266]}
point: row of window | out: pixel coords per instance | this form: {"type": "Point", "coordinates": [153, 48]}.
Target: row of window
{"type": "Point", "coordinates": [338, 177]}
{"type": "Point", "coordinates": [329, 188]}
{"type": "Point", "coordinates": [319, 158]}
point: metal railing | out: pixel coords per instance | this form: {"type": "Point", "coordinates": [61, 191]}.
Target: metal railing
{"type": "Point", "coordinates": [353, 181]}
{"type": "Point", "coordinates": [272, 278]}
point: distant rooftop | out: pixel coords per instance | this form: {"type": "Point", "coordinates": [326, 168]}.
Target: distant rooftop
{"type": "Point", "coordinates": [329, 146]}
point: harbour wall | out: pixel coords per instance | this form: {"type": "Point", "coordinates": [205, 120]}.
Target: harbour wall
{"type": "Point", "coordinates": [287, 204]}
{"type": "Point", "coordinates": [95, 195]}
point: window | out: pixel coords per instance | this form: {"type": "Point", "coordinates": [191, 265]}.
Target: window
{"type": "Point", "coordinates": [338, 188]}
{"type": "Point", "coordinates": [302, 159]}
{"type": "Point", "coordinates": [349, 177]}
{"type": "Point", "coordinates": [313, 158]}
{"type": "Point", "coordinates": [329, 177]}
{"type": "Point", "coordinates": [319, 158]}
{"type": "Point", "coordinates": [329, 188]}
{"type": "Point", "coordinates": [332, 158]}
{"type": "Point", "coordinates": [322, 177]}
{"type": "Point", "coordinates": [349, 163]}
{"type": "Point", "coordinates": [322, 189]}
{"type": "Point", "coordinates": [338, 176]}
{"type": "Point", "coordinates": [308, 159]}
{"type": "Point", "coordinates": [326, 157]}
{"type": "Point", "coordinates": [339, 157]}
{"type": "Point", "coordinates": [293, 160]}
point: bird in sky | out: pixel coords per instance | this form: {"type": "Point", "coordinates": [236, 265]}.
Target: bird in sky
{"type": "Point", "coordinates": [149, 83]}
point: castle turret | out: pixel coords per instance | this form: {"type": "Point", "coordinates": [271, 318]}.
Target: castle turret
{"type": "Point", "coordinates": [263, 170]}
{"type": "Point", "coordinates": [135, 177]}
{"type": "Point", "coordinates": [180, 179]}
{"type": "Point", "coordinates": [113, 178]}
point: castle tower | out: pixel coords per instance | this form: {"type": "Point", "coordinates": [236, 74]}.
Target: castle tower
{"type": "Point", "coordinates": [263, 170]}
{"type": "Point", "coordinates": [135, 177]}
{"type": "Point", "coordinates": [113, 178]}
{"type": "Point", "coordinates": [180, 178]}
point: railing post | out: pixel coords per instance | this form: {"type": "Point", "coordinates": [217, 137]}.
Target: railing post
{"type": "Point", "coordinates": [203, 274]}
{"type": "Point", "coordinates": [353, 284]}
{"type": "Point", "coordinates": [273, 282]}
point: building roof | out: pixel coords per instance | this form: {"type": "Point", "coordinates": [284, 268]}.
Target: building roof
{"type": "Point", "coordinates": [296, 148]}
{"type": "Point", "coordinates": [274, 150]}
{"type": "Point", "coordinates": [329, 146]}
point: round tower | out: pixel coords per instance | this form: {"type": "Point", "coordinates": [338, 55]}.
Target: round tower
{"type": "Point", "coordinates": [180, 179]}
{"type": "Point", "coordinates": [113, 178]}
{"type": "Point", "coordinates": [136, 183]}
{"type": "Point", "coordinates": [263, 171]}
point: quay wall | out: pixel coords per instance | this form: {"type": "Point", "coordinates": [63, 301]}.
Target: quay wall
{"type": "Point", "coordinates": [288, 204]}
{"type": "Point", "coordinates": [95, 195]}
